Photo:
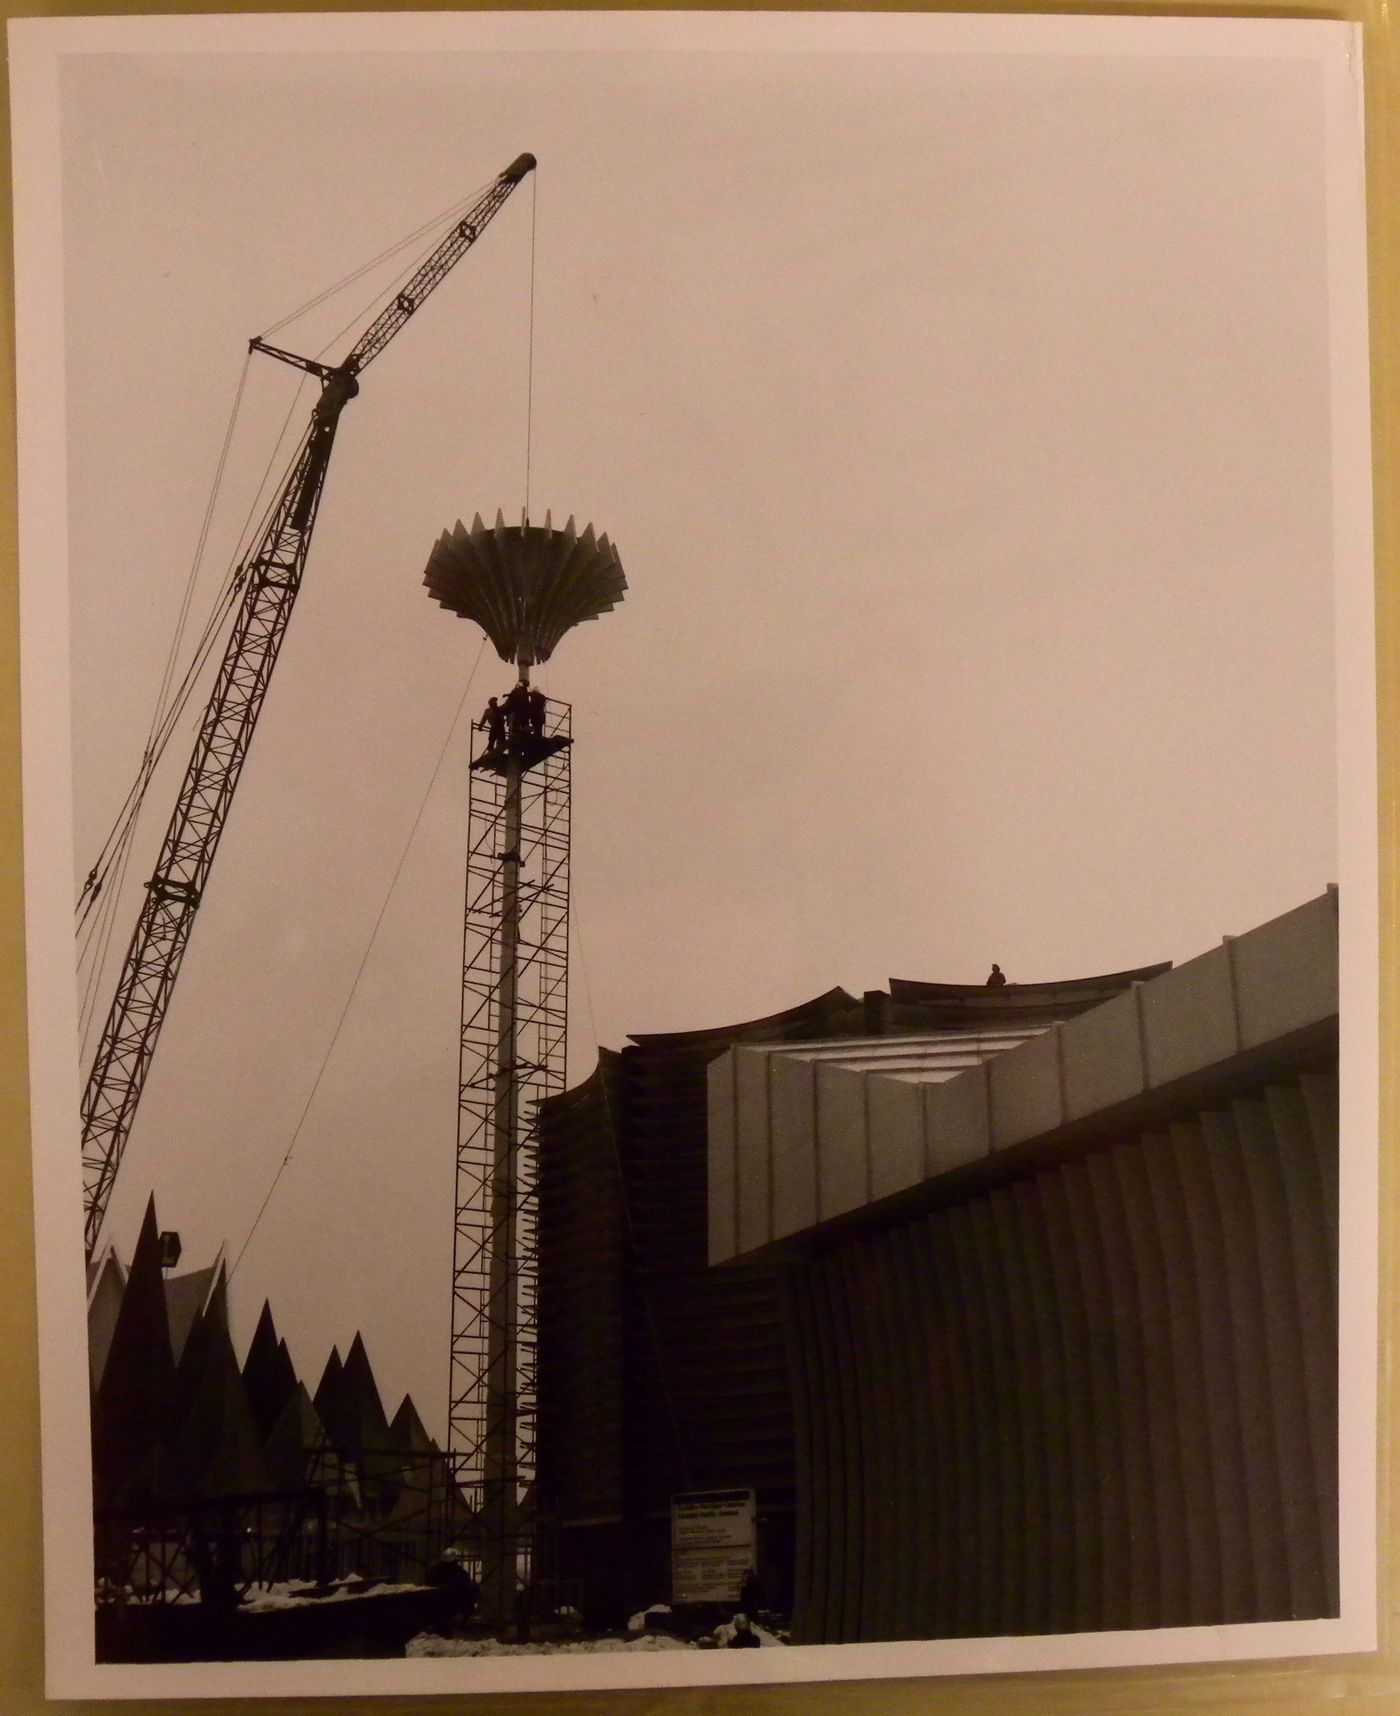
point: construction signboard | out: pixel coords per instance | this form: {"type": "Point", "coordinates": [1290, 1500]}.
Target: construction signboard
{"type": "Point", "coordinates": [712, 1545]}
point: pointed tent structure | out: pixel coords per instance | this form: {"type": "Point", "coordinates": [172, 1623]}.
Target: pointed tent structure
{"type": "Point", "coordinates": [406, 1432]}
{"type": "Point", "coordinates": [330, 1381]}
{"type": "Point", "coordinates": [190, 1371]}
{"type": "Point", "coordinates": [348, 1402]}
{"type": "Point", "coordinates": [185, 1298]}
{"type": "Point", "coordinates": [106, 1288]}
{"type": "Point", "coordinates": [218, 1450]}
{"type": "Point", "coordinates": [171, 1439]}
{"type": "Point", "coordinates": [298, 1454]}
{"type": "Point", "coordinates": [429, 1504]}
{"type": "Point", "coordinates": [358, 1430]}
{"type": "Point", "coordinates": [133, 1407]}
{"type": "Point", "coordinates": [268, 1374]}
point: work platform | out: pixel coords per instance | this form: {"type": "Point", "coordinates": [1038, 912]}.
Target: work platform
{"type": "Point", "coordinates": [528, 752]}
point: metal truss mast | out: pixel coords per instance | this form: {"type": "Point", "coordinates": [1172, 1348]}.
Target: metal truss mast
{"type": "Point", "coordinates": [514, 1016]}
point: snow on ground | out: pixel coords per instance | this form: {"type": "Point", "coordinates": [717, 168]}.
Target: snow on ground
{"type": "Point", "coordinates": [263, 1598]}
{"type": "Point", "coordinates": [722, 1635]}
{"type": "Point", "coordinates": [427, 1644]}
{"type": "Point", "coordinates": [638, 1622]}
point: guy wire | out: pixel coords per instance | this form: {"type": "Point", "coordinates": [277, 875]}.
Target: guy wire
{"type": "Point", "coordinates": [364, 961]}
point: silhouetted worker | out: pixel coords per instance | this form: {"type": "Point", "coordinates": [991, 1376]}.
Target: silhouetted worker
{"type": "Point", "coordinates": [745, 1638]}
{"type": "Point", "coordinates": [749, 1592]}
{"type": "Point", "coordinates": [998, 978]}
{"type": "Point", "coordinates": [517, 707]}
{"type": "Point", "coordinates": [493, 719]}
{"type": "Point", "coordinates": [457, 1592]}
{"type": "Point", "coordinates": [218, 1562]}
{"type": "Point", "coordinates": [537, 708]}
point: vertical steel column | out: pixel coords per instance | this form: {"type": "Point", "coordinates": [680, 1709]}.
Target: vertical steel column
{"type": "Point", "coordinates": [499, 1450]}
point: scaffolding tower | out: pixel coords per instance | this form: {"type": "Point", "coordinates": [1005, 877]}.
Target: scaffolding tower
{"type": "Point", "coordinates": [525, 586]}
{"type": "Point", "coordinates": [515, 992]}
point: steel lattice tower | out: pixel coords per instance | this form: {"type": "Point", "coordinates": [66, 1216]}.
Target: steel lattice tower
{"type": "Point", "coordinates": [525, 586]}
{"type": "Point", "coordinates": [515, 978]}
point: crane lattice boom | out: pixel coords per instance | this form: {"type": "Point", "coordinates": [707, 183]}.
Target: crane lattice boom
{"type": "Point", "coordinates": [271, 578]}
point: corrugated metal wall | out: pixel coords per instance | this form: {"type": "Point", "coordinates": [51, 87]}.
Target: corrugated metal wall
{"type": "Point", "coordinates": [657, 1374]}
{"type": "Point", "coordinates": [1102, 1396]}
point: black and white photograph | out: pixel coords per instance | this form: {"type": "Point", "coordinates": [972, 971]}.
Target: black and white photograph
{"type": "Point", "coordinates": [700, 845]}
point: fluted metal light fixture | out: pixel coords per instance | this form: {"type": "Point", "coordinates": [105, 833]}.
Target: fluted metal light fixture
{"type": "Point", "coordinates": [525, 585]}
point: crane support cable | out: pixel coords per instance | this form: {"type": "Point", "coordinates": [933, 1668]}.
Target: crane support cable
{"type": "Point", "coordinates": [270, 582]}
{"type": "Point", "coordinates": [367, 309]}
{"type": "Point", "coordinates": [201, 542]}
{"type": "Point", "coordinates": [430, 274]}
{"type": "Point", "coordinates": [98, 940]}
{"type": "Point", "coordinates": [364, 960]}
{"type": "Point", "coordinates": [431, 225]}
{"type": "Point", "coordinates": [167, 719]}
{"type": "Point", "coordinates": [172, 895]}
{"type": "Point", "coordinates": [160, 705]}
{"type": "Point", "coordinates": [151, 757]}
{"type": "Point", "coordinates": [155, 747]}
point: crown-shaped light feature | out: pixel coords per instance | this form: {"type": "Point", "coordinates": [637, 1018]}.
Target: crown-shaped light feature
{"type": "Point", "coordinates": [525, 585]}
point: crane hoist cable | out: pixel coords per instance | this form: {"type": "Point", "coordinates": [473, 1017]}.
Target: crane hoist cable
{"type": "Point", "coordinates": [270, 580]}
{"type": "Point", "coordinates": [530, 348]}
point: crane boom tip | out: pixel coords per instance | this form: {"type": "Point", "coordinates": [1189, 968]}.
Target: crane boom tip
{"type": "Point", "coordinates": [518, 168]}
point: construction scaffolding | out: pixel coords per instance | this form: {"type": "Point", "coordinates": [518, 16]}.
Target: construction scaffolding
{"type": "Point", "coordinates": [514, 1031]}
{"type": "Point", "coordinates": [526, 586]}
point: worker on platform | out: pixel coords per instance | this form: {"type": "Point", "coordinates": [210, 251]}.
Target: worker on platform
{"type": "Point", "coordinates": [493, 719]}
{"type": "Point", "coordinates": [538, 703]}
{"type": "Point", "coordinates": [998, 978]}
{"type": "Point", "coordinates": [517, 708]}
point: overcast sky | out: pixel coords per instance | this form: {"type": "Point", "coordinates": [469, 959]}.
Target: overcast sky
{"type": "Point", "coordinates": [962, 422]}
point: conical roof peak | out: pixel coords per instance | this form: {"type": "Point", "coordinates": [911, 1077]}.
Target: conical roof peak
{"type": "Point", "coordinates": [135, 1400]}
{"type": "Point", "coordinates": [407, 1431]}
